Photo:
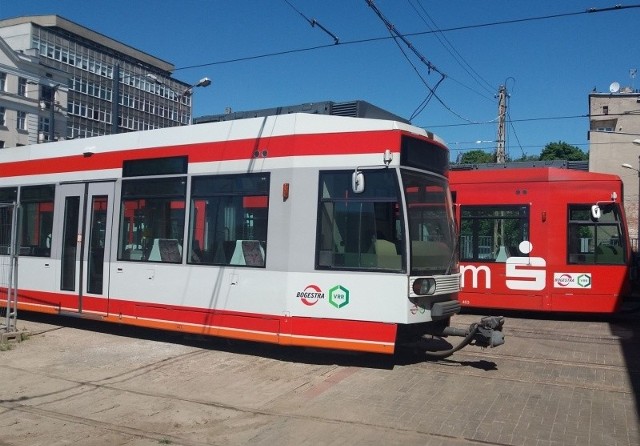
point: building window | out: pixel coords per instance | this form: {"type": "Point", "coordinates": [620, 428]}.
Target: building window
{"type": "Point", "coordinates": [22, 87]}
{"type": "Point", "coordinates": [48, 95]}
{"type": "Point", "coordinates": [21, 123]}
{"type": "Point", "coordinates": [2, 116]}
{"type": "Point", "coordinates": [608, 125]}
{"type": "Point", "coordinates": [492, 233]}
{"type": "Point", "coordinates": [43, 129]}
{"type": "Point", "coordinates": [3, 81]}
{"type": "Point", "coordinates": [605, 110]}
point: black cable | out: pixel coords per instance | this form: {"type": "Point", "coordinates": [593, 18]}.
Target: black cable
{"type": "Point", "coordinates": [376, 39]}
{"type": "Point", "coordinates": [314, 22]}
{"type": "Point", "coordinates": [514, 120]}
{"type": "Point", "coordinates": [447, 45]}
{"type": "Point", "coordinates": [440, 354]}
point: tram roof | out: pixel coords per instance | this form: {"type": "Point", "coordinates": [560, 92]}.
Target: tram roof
{"type": "Point", "coordinates": [527, 174]}
{"type": "Point", "coordinates": [250, 128]}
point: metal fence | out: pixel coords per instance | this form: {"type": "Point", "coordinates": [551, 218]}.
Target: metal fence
{"type": "Point", "coordinates": [8, 267]}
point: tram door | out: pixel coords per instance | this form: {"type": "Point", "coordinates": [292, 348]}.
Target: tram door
{"type": "Point", "coordinates": [87, 216]}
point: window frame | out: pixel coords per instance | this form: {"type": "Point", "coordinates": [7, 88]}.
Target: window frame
{"type": "Point", "coordinates": [45, 199]}
{"type": "Point", "coordinates": [600, 250]}
{"type": "Point", "coordinates": [163, 241]}
{"type": "Point", "coordinates": [523, 216]}
{"type": "Point", "coordinates": [213, 246]}
{"type": "Point", "coordinates": [394, 227]}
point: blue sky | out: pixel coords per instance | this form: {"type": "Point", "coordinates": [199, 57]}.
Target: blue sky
{"type": "Point", "coordinates": [548, 65]}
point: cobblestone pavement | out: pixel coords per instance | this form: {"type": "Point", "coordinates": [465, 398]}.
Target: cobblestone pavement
{"type": "Point", "coordinates": [556, 381]}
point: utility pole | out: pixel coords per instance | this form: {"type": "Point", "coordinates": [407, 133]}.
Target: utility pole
{"type": "Point", "coordinates": [502, 113]}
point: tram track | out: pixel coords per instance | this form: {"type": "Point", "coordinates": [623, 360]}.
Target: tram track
{"type": "Point", "coordinates": [184, 440]}
{"type": "Point", "coordinates": [127, 429]}
{"type": "Point", "coordinates": [511, 330]}
{"type": "Point", "coordinates": [231, 418]}
{"type": "Point", "coordinates": [140, 432]}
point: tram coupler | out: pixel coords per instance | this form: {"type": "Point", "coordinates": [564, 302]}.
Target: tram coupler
{"type": "Point", "coordinates": [486, 333]}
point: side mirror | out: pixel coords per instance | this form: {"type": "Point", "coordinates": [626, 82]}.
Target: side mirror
{"type": "Point", "coordinates": [596, 213]}
{"type": "Point", "coordinates": [357, 182]}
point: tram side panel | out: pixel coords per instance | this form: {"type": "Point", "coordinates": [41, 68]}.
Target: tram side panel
{"type": "Point", "coordinates": [341, 309]}
{"type": "Point", "coordinates": [574, 263]}
{"type": "Point", "coordinates": [588, 265]}
{"type": "Point", "coordinates": [285, 300]}
{"type": "Point", "coordinates": [215, 287]}
{"type": "Point", "coordinates": [492, 227]}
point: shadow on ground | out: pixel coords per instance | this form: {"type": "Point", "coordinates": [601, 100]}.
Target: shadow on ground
{"type": "Point", "coordinates": [403, 356]}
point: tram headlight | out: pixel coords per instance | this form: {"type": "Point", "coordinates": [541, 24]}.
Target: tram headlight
{"type": "Point", "coordinates": [424, 286]}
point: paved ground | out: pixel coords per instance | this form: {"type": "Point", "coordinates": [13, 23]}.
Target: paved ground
{"type": "Point", "coordinates": [566, 381]}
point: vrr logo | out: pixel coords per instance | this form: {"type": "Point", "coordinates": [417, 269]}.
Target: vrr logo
{"type": "Point", "coordinates": [338, 296]}
{"type": "Point", "coordinates": [584, 280]}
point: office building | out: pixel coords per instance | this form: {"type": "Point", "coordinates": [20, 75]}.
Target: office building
{"type": "Point", "coordinates": [109, 87]}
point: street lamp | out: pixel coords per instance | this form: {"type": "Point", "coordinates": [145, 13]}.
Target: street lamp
{"type": "Point", "coordinates": [204, 82]}
{"type": "Point", "coordinates": [48, 98]}
{"type": "Point", "coordinates": [115, 110]}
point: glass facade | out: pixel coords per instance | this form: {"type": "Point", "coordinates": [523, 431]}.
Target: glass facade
{"type": "Point", "coordinates": [146, 96]}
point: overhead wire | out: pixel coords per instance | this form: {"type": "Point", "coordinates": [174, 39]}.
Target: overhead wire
{"type": "Point", "coordinates": [314, 22]}
{"type": "Point", "coordinates": [441, 32]}
{"type": "Point", "coordinates": [448, 46]}
{"type": "Point", "coordinates": [430, 66]}
{"type": "Point", "coordinates": [377, 39]}
{"type": "Point", "coordinates": [547, 118]}
{"type": "Point", "coordinates": [515, 134]}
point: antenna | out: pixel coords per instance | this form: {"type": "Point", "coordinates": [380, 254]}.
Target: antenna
{"type": "Point", "coordinates": [614, 87]}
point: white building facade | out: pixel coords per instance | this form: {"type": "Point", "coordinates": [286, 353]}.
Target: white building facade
{"type": "Point", "coordinates": [614, 120]}
{"type": "Point", "coordinates": [110, 87]}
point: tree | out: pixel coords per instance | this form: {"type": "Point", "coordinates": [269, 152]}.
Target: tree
{"type": "Point", "coordinates": [477, 156]}
{"type": "Point", "coordinates": [562, 151]}
{"type": "Point", "coordinates": [528, 158]}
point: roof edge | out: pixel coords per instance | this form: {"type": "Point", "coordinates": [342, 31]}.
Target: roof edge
{"type": "Point", "coordinates": [52, 20]}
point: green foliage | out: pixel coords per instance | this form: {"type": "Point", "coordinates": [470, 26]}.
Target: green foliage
{"type": "Point", "coordinates": [562, 151]}
{"type": "Point", "coordinates": [477, 156]}
{"type": "Point", "coordinates": [528, 158]}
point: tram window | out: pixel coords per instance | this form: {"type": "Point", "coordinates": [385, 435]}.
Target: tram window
{"type": "Point", "coordinates": [155, 166]}
{"type": "Point", "coordinates": [152, 220]}
{"type": "Point", "coordinates": [492, 233]}
{"type": "Point", "coordinates": [359, 231]}
{"type": "Point", "coordinates": [595, 241]}
{"type": "Point", "coordinates": [228, 220]}
{"type": "Point", "coordinates": [8, 195]}
{"type": "Point", "coordinates": [37, 220]}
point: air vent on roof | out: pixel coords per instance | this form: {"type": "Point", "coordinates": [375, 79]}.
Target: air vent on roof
{"type": "Point", "coordinates": [345, 109]}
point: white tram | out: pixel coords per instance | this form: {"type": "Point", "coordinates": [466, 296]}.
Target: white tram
{"type": "Point", "coordinates": [297, 229]}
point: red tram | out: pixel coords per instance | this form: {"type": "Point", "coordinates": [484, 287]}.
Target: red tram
{"type": "Point", "coordinates": [542, 239]}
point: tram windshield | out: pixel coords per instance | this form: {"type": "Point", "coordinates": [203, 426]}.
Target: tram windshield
{"type": "Point", "coordinates": [360, 231]}
{"type": "Point", "coordinates": [367, 231]}
{"type": "Point", "coordinates": [431, 223]}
